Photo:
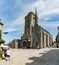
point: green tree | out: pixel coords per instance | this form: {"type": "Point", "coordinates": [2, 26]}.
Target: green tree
{"type": "Point", "coordinates": [1, 40]}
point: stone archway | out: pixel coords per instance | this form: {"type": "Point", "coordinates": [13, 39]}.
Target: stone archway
{"type": "Point", "coordinates": [24, 44]}
{"type": "Point", "coordinates": [28, 44]}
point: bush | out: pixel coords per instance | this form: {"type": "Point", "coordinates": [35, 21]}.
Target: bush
{"type": "Point", "coordinates": [2, 41]}
{"type": "Point", "coordinates": [1, 53]}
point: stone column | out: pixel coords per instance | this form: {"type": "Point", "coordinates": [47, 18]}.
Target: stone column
{"type": "Point", "coordinates": [31, 38]}
{"type": "Point", "coordinates": [41, 40]}
{"type": "Point", "coordinates": [48, 41]}
{"type": "Point", "coordinates": [16, 44]}
{"type": "Point", "coordinates": [44, 39]}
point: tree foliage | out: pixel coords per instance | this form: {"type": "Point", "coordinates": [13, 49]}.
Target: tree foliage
{"type": "Point", "coordinates": [2, 41]}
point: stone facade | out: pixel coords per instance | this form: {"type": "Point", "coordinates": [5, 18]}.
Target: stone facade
{"type": "Point", "coordinates": [34, 35]}
{"type": "Point", "coordinates": [16, 43]}
{"type": "Point", "coordinates": [57, 38]}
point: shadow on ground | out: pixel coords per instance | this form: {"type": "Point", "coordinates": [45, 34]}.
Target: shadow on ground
{"type": "Point", "coordinates": [49, 58]}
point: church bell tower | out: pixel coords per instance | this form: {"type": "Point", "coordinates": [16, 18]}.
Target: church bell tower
{"type": "Point", "coordinates": [31, 20]}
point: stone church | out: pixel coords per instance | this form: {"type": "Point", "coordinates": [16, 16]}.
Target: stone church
{"type": "Point", "coordinates": [34, 35]}
{"type": "Point", "coordinates": [57, 38]}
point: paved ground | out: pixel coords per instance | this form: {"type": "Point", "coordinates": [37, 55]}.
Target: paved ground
{"type": "Point", "coordinates": [47, 56]}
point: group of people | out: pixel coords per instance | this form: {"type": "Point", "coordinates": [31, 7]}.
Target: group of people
{"type": "Point", "coordinates": [5, 53]}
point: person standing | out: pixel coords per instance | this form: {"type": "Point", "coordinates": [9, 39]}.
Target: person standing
{"type": "Point", "coordinates": [8, 54]}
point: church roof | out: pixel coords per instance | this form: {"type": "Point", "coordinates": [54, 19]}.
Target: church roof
{"type": "Point", "coordinates": [31, 13]}
{"type": "Point", "coordinates": [43, 29]}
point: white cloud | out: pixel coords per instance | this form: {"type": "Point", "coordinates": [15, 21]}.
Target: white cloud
{"type": "Point", "coordinates": [51, 12]}
{"type": "Point", "coordinates": [46, 9]}
{"type": "Point", "coordinates": [49, 24]}
{"type": "Point", "coordinates": [10, 29]}
{"type": "Point", "coordinates": [17, 21]}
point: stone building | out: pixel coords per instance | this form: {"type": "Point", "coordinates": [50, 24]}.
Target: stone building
{"type": "Point", "coordinates": [34, 35]}
{"type": "Point", "coordinates": [57, 37]}
{"type": "Point", "coordinates": [16, 43]}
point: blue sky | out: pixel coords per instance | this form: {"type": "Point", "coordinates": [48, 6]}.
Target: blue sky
{"type": "Point", "coordinates": [12, 13]}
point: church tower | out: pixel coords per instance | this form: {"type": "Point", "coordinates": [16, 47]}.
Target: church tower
{"type": "Point", "coordinates": [31, 20]}
{"type": "Point", "coordinates": [36, 16]}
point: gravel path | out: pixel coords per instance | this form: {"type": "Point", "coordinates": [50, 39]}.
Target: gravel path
{"type": "Point", "coordinates": [47, 56]}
